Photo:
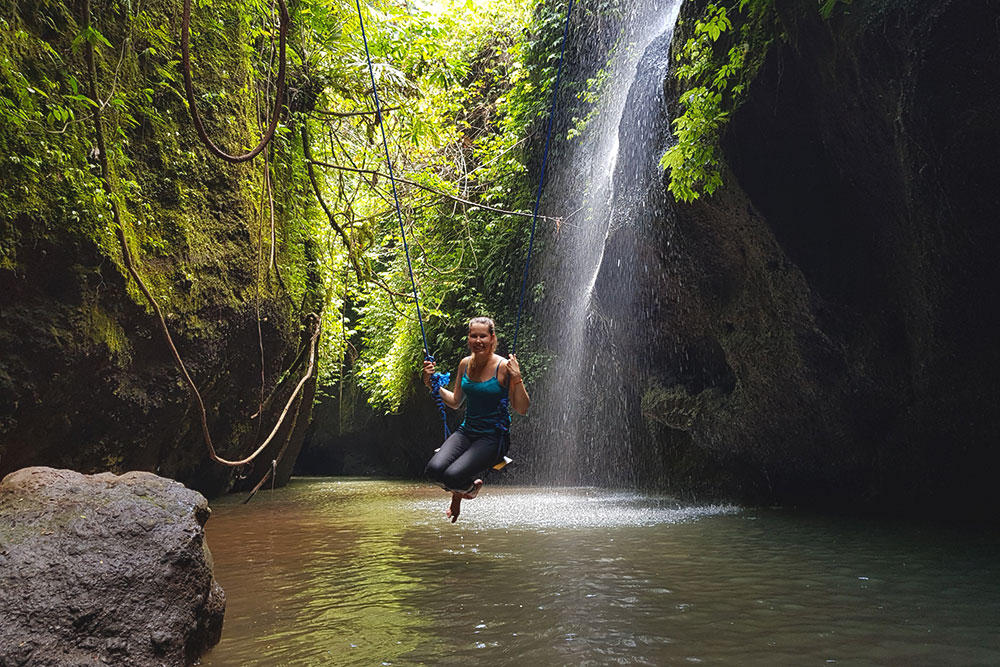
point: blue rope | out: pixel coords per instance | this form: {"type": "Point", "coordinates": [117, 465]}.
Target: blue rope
{"type": "Point", "coordinates": [392, 180]}
{"type": "Point", "coordinates": [437, 379]}
{"type": "Point", "coordinates": [541, 180]}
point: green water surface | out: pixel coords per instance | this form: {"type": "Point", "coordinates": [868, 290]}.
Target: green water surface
{"type": "Point", "coordinates": [367, 572]}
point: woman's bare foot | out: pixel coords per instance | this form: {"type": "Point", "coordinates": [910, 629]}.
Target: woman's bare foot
{"type": "Point", "coordinates": [478, 484]}
{"type": "Point", "coordinates": [456, 500]}
{"type": "Point", "coordinates": [456, 507]}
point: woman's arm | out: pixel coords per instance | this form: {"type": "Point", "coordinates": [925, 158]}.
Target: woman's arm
{"type": "Point", "coordinates": [519, 399]}
{"type": "Point", "coordinates": [453, 399]}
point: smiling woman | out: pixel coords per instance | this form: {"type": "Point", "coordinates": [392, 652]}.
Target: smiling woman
{"type": "Point", "coordinates": [236, 255]}
{"type": "Point", "coordinates": [484, 380]}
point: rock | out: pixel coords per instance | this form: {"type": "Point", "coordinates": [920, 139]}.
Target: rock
{"type": "Point", "coordinates": [79, 583]}
{"type": "Point", "coordinates": [86, 381]}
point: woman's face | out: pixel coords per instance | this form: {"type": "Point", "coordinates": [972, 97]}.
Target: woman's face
{"type": "Point", "coordinates": [480, 338]}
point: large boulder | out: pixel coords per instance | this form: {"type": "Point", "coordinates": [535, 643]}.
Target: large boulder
{"type": "Point", "coordinates": [104, 568]}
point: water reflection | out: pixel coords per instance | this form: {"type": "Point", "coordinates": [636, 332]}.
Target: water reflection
{"type": "Point", "coordinates": [316, 576]}
{"type": "Point", "coordinates": [362, 572]}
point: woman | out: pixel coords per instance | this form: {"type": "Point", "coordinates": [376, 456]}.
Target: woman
{"type": "Point", "coordinates": [483, 379]}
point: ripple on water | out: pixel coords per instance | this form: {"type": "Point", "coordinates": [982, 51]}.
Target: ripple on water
{"type": "Point", "coordinates": [569, 508]}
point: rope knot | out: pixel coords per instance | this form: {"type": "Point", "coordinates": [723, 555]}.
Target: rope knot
{"type": "Point", "coordinates": [503, 423]}
{"type": "Point", "coordinates": [439, 380]}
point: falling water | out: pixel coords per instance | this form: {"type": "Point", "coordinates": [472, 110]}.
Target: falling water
{"type": "Point", "coordinates": [607, 176]}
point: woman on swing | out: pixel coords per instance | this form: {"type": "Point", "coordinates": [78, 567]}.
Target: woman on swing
{"type": "Point", "coordinates": [483, 379]}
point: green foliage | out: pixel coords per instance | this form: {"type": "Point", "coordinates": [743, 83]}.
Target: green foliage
{"type": "Point", "coordinates": [589, 96]}
{"type": "Point", "coordinates": [464, 88]}
{"type": "Point", "coordinates": [102, 328]}
{"type": "Point", "coordinates": [41, 102]}
{"type": "Point", "coordinates": [716, 64]}
{"type": "Point", "coordinates": [176, 202]}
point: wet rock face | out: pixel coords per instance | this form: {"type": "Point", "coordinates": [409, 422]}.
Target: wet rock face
{"type": "Point", "coordinates": [86, 379]}
{"type": "Point", "coordinates": [104, 569]}
{"type": "Point", "coordinates": [846, 272]}
{"type": "Point", "coordinates": [354, 439]}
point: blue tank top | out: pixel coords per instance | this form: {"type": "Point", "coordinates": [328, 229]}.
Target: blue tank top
{"type": "Point", "coordinates": [482, 404]}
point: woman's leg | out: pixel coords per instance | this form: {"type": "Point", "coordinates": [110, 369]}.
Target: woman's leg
{"type": "Point", "coordinates": [456, 444]}
{"type": "Point", "coordinates": [481, 453]}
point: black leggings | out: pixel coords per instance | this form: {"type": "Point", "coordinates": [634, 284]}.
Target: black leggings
{"type": "Point", "coordinates": [463, 457]}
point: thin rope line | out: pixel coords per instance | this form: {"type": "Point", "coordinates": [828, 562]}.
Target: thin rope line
{"type": "Point", "coordinates": [392, 180]}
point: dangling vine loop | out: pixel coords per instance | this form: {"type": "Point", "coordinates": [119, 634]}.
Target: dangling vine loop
{"type": "Point", "coordinates": [189, 87]}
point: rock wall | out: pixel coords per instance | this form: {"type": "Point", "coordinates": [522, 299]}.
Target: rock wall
{"type": "Point", "coordinates": [838, 292]}
{"type": "Point", "coordinates": [104, 569]}
{"type": "Point", "coordinates": [86, 380]}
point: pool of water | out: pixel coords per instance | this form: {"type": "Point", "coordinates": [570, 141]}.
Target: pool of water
{"type": "Point", "coordinates": [367, 572]}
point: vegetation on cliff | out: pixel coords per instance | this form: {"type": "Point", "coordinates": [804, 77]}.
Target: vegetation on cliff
{"type": "Point", "coordinates": [724, 49]}
{"type": "Point", "coordinates": [235, 255]}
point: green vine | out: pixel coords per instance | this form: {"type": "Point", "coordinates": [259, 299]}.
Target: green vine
{"type": "Point", "coordinates": [827, 7]}
{"type": "Point", "coordinates": [716, 64]}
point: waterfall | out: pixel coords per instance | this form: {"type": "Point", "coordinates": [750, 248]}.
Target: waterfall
{"type": "Point", "coordinates": [578, 430]}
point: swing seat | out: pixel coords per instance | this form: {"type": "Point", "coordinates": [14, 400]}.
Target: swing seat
{"type": "Point", "coordinates": [504, 462]}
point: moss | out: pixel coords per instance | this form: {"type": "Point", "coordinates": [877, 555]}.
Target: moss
{"type": "Point", "coordinates": [193, 225]}
{"type": "Point", "coordinates": [675, 406]}
{"type": "Point", "coordinates": [103, 329]}
{"type": "Point", "coordinates": [180, 208]}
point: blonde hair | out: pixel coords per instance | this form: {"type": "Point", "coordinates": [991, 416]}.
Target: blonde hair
{"type": "Point", "coordinates": [491, 325]}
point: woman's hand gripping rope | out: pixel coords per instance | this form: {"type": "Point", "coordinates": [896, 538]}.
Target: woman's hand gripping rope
{"type": "Point", "coordinates": [435, 381]}
{"type": "Point", "coordinates": [513, 371]}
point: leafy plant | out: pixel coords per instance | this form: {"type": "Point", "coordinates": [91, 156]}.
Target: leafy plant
{"type": "Point", "coordinates": [716, 63]}
{"type": "Point", "coordinates": [461, 91]}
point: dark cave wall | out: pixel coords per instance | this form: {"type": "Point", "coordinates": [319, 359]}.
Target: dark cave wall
{"type": "Point", "coordinates": [847, 269]}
